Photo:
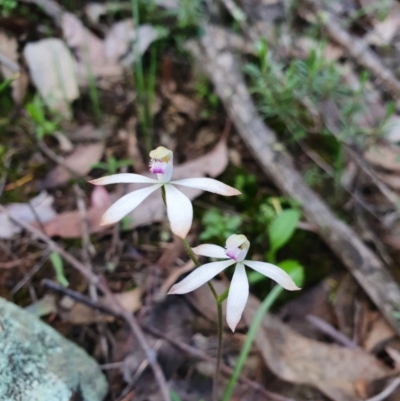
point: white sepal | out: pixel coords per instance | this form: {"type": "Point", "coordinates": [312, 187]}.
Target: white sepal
{"type": "Point", "coordinates": [126, 204]}
{"type": "Point", "coordinates": [208, 184]}
{"type": "Point", "coordinates": [210, 250]}
{"type": "Point", "coordinates": [200, 276]}
{"type": "Point", "coordinates": [274, 273]}
{"type": "Point", "coordinates": [124, 178]}
{"type": "Point", "coordinates": [180, 211]}
{"type": "Point", "coordinates": [237, 297]}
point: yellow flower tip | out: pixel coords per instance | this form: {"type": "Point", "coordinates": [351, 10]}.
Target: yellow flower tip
{"type": "Point", "coordinates": [236, 241]}
{"type": "Point", "coordinates": [161, 153]}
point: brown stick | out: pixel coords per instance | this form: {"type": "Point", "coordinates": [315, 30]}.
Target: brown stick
{"type": "Point", "coordinates": [369, 271]}
{"type": "Point", "coordinates": [100, 283]}
{"type": "Point", "coordinates": [357, 48]}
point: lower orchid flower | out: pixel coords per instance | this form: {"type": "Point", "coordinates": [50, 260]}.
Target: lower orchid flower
{"type": "Point", "coordinates": [179, 207]}
{"type": "Point", "coordinates": [236, 250]}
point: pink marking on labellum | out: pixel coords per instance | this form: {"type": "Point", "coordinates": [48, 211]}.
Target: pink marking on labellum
{"type": "Point", "coordinates": [233, 253]}
{"type": "Point", "coordinates": [157, 167]}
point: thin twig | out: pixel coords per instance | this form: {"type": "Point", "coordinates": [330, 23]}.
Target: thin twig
{"type": "Point", "coordinates": [8, 63]}
{"type": "Point", "coordinates": [88, 251]}
{"type": "Point", "coordinates": [329, 330]}
{"type": "Point", "coordinates": [56, 159]}
{"type": "Point", "coordinates": [77, 296]}
{"type": "Point", "coordinates": [102, 286]}
{"type": "Point", "coordinates": [27, 277]}
{"type": "Point", "coordinates": [387, 391]}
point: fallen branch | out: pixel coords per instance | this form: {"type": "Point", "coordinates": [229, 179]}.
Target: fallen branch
{"type": "Point", "coordinates": [100, 283]}
{"type": "Point", "coordinates": [357, 48]}
{"type": "Point", "coordinates": [222, 69]}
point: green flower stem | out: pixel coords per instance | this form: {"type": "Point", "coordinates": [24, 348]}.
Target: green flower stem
{"type": "Point", "coordinates": [219, 301]}
{"type": "Point", "coordinates": [255, 324]}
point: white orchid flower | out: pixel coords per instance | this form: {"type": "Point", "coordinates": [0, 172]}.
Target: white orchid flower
{"type": "Point", "coordinates": [236, 250]}
{"type": "Point", "coordinates": [179, 207]}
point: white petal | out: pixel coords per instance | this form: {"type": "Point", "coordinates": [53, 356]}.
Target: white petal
{"type": "Point", "coordinates": [180, 211]}
{"type": "Point", "coordinates": [210, 250]}
{"type": "Point", "coordinates": [208, 184]}
{"type": "Point", "coordinates": [200, 276]}
{"type": "Point", "coordinates": [237, 297]}
{"type": "Point", "coordinates": [273, 272]}
{"type": "Point", "coordinates": [124, 178]}
{"type": "Point", "coordinates": [126, 204]}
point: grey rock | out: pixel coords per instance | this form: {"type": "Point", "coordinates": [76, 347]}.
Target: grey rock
{"type": "Point", "coordinates": [38, 364]}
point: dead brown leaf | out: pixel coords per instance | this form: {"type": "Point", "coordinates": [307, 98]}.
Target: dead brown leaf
{"type": "Point", "coordinates": [385, 30]}
{"type": "Point", "coordinates": [89, 51]}
{"type": "Point", "coordinates": [40, 207]}
{"type": "Point", "coordinates": [118, 42]}
{"type": "Point", "coordinates": [314, 301]}
{"type": "Point", "coordinates": [82, 314]}
{"type": "Point", "coordinates": [385, 156]}
{"type": "Point", "coordinates": [393, 180]}
{"type": "Point", "coordinates": [79, 162]}
{"type": "Point", "coordinates": [105, 58]}
{"type": "Point", "coordinates": [69, 224]}
{"type": "Point", "coordinates": [332, 369]}
{"type": "Point", "coordinates": [52, 70]}
{"type": "Point", "coordinates": [10, 68]}
{"type": "Point", "coordinates": [344, 305]}
{"type": "Point", "coordinates": [378, 332]}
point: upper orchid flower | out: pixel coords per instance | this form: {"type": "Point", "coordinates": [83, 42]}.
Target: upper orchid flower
{"type": "Point", "coordinates": [236, 250]}
{"type": "Point", "coordinates": [179, 207]}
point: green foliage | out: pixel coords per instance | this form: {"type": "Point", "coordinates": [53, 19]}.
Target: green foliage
{"type": "Point", "coordinates": [218, 225]}
{"type": "Point", "coordinates": [247, 184]}
{"type": "Point", "coordinates": [58, 267]}
{"type": "Point", "coordinates": [112, 165]}
{"type": "Point", "coordinates": [37, 112]}
{"type": "Point", "coordinates": [189, 13]}
{"type": "Point", "coordinates": [281, 230]}
{"type": "Point", "coordinates": [204, 91]}
{"type": "Point", "coordinates": [283, 91]}
{"type": "Point", "coordinates": [6, 6]}
{"type": "Point", "coordinates": [294, 269]}
{"type": "Point", "coordinates": [5, 84]}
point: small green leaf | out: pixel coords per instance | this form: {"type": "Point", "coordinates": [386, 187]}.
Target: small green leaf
{"type": "Point", "coordinates": [174, 396]}
{"type": "Point", "coordinates": [282, 228]}
{"type": "Point", "coordinates": [57, 263]}
{"type": "Point", "coordinates": [294, 269]}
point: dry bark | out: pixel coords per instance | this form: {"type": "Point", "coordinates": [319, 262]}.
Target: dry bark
{"type": "Point", "coordinates": [222, 69]}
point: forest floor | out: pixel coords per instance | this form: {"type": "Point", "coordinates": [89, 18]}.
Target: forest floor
{"type": "Point", "coordinates": [294, 103]}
